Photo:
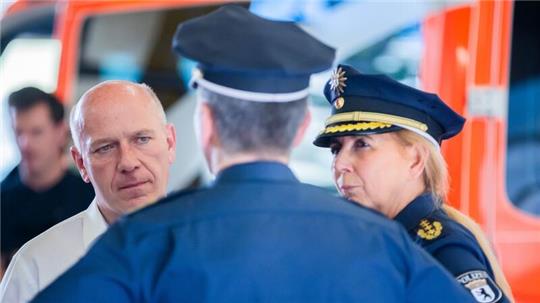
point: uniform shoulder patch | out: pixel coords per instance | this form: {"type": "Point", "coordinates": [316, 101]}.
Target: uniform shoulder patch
{"type": "Point", "coordinates": [481, 286]}
{"type": "Point", "coordinates": [429, 229]}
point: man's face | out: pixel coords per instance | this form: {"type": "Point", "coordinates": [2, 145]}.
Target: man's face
{"type": "Point", "coordinates": [39, 138]}
{"type": "Point", "coordinates": [126, 150]}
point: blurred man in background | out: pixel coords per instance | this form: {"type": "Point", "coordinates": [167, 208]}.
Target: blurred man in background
{"type": "Point", "coordinates": [40, 191]}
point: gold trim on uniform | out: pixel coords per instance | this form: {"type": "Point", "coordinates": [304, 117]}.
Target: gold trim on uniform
{"type": "Point", "coordinates": [355, 127]}
{"type": "Point", "coordinates": [429, 230]}
{"type": "Point", "coordinates": [375, 117]}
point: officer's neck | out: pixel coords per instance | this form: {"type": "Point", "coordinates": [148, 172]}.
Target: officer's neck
{"type": "Point", "coordinates": [219, 161]}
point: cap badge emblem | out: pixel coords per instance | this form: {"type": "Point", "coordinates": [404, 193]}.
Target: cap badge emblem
{"type": "Point", "coordinates": [337, 81]}
{"type": "Point", "coordinates": [339, 102]}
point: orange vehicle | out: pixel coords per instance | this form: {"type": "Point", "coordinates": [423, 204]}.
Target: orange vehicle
{"type": "Point", "coordinates": [481, 57]}
{"type": "Point", "coordinates": [486, 67]}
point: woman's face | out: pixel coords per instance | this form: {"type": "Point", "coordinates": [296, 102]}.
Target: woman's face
{"type": "Point", "coordinates": [372, 170]}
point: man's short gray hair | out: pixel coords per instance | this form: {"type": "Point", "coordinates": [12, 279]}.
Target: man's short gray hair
{"type": "Point", "coordinates": [262, 127]}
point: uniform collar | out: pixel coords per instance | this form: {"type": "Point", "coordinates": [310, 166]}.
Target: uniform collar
{"type": "Point", "coordinates": [256, 171]}
{"type": "Point", "coordinates": [421, 207]}
{"type": "Point", "coordinates": [94, 224]}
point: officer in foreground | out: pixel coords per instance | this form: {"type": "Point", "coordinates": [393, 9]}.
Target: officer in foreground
{"type": "Point", "coordinates": [257, 234]}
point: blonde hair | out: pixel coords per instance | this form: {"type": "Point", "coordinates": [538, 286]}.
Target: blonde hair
{"type": "Point", "coordinates": [435, 173]}
{"type": "Point", "coordinates": [436, 181]}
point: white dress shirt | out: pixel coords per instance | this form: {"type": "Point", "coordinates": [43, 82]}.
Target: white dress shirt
{"type": "Point", "coordinates": [41, 260]}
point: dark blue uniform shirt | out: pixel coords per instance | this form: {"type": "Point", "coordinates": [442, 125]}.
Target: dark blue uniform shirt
{"type": "Point", "coordinates": [454, 246]}
{"type": "Point", "coordinates": [256, 235]}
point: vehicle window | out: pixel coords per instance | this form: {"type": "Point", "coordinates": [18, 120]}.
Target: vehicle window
{"type": "Point", "coordinates": [523, 144]}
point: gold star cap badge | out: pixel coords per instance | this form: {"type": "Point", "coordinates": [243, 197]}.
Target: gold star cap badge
{"type": "Point", "coordinates": [337, 81]}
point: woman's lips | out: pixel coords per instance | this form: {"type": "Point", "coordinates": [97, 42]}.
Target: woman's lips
{"type": "Point", "coordinates": [347, 187]}
{"type": "Point", "coordinates": [348, 190]}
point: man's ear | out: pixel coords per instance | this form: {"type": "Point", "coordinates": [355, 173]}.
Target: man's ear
{"type": "Point", "coordinates": [208, 127]}
{"type": "Point", "coordinates": [302, 129]}
{"type": "Point", "coordinates": [77, 158]}
{"type": "Point", "coordinates": [171, 141]}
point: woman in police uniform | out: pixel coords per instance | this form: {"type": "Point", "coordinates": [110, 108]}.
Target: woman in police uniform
{"type": "Point", "coordinates": [385, 138]}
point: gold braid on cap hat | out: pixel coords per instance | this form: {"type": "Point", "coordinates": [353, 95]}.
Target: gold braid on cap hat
{"type": "Point", "coordinates": [375, 117]}
{"type": "Point", "coordinates": [355, 127]}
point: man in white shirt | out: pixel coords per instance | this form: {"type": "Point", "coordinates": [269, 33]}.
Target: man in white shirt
{"type": "Point", "coordinates": [124, 148]}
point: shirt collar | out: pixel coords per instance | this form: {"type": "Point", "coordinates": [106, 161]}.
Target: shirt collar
{"type": "Point", "coordinates": [421, 207]}
{"type": "Point", "coordinates": [94, 224]}
{"type": "Point", "coordinates": [256, 171]}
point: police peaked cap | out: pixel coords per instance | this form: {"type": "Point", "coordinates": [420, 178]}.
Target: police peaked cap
{"type": "Point", "coordinates": [245, 56]}
{"type": "Point", "coordinates": [371, 104]}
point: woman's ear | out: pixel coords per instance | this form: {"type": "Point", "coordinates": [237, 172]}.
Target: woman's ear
{"type": "Point", "coordinates": [418, 155]}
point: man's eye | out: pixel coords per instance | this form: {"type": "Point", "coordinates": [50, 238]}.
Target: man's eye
{"type": "Point", "coordinates": [103, 149]}
{"type": "Point", "coordinates": [37, 132]}
{"type": "Point", "coordinates": [143, 140]}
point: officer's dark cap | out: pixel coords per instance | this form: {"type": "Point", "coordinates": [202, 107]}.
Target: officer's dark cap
{"type": "Point", "coordinates": [243, 55]}
{"type": "Point", "coordinates": [370, 104]}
